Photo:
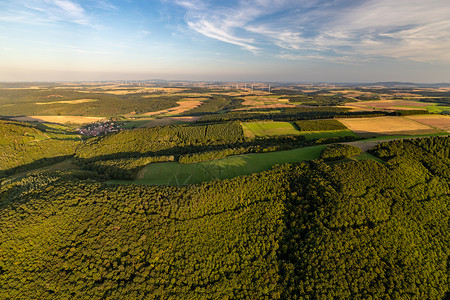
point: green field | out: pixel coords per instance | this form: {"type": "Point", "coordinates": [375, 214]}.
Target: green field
{"type": "Point", "coordinates": [174, 173]}
{"type": "Point", "coordinates": [433, 108]}
{"type": "Point", "coordinates": [438, 109]}
{"type": "Point", "coordinates": [261, 129]}
{"type": "Point", "coordinates": [311, 135]}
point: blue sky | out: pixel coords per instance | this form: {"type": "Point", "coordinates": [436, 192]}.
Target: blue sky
{"type": "Point", "coordinates": [255, 40]}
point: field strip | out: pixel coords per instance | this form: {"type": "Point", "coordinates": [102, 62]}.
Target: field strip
{"type": "Point", "coordinates": [68, 101]}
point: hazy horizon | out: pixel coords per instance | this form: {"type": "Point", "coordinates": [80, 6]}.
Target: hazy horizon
{"type": "Point", "coordinates": [195, 40]}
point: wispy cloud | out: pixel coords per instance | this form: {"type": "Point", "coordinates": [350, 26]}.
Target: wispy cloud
{"type": "Point", "coordinates": [402, 29]}
{"type": "Point", "coordinates": [226, 23]}
{"type": "Point", "coordinates": [105, 5]}
{"type": "Point", "coordinates": [73, 10]}
{"type": "Point", "coordinates": [44, 12]}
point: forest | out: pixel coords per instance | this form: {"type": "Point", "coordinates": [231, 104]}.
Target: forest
{"type": "Point", "coordinates": [310, 230]}
{"type": "Point", "coordinates": [24, 146]}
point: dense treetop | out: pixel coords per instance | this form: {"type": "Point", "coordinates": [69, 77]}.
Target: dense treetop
{"type": "Point", "coordinates": [311, 230]}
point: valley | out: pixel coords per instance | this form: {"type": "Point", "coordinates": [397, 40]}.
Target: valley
{"type": "Point", "coordinates": [210, 190]}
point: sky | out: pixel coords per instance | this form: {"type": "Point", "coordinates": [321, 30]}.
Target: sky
{"type": "Point", "coordinates": [233, 40]}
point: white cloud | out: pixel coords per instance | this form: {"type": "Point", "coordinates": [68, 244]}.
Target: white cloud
{"type": "Point", "coordinates": [223, 22]}
{"type": "Point", "coordinates": [105, 5]}
{"type": "Point", "coordinates": [43, 12]}
{"type": "Point", "coordinates": [401, 29]}
{"type": "Point", "coordinates": [209, 29]}
{"type": "Point", "coordinates": [73, 10]}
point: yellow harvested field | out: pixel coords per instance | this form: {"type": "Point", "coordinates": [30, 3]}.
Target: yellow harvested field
{"type": "Point", "coordinates": [59, 119]}
{"type": "Point", "coordinates": [184, 105]}
{"type": "Point", "coordinates": [386, 126]}
{"type": "Point", "coordinates": [265, 101]}
{"type": "Point", "coordinates": [438, 121]}
{"type": "Point", "coordinates": [68, 101]}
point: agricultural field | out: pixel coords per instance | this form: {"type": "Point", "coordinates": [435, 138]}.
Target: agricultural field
{"type": "Point", "coordinates": [266, 129]}
{"type": "Point", "coordinates": [67, 102]}
{"type": "Point", "coordinates": [438, 109]}
{"type": "Point", "coordinates": [388, 125]}
{"type": "Point", "coordinates": [59, 119]}
{"type": "Point", "coordinates": [396, 105]}
{"type": "Point", "coordinates": [262, 129]}
{"type": "Point", "coordinates": [264, 101]}
{"type": "Point", "coordinates": [389, 105]}
{"type": "Point", "coordinates": [173, 173]}
{"type": "Point", "coordinates": [184, 105]}
{"type": "Point", "coordinates": [441, 122]}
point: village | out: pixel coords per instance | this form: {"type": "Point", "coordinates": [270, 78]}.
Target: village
{"type": "Point", "coordinates": [99, 128]}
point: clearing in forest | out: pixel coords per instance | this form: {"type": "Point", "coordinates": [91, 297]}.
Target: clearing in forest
{"type": "Point", "coordinates": [386, 126]}
{"type": "Point", "coordinates": [174, 173]}
{"type": "Point", "coordinates": [260, 129]}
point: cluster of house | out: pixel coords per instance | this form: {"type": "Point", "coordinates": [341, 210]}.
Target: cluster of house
{"type": "Point", "coordinates": [99, 128]}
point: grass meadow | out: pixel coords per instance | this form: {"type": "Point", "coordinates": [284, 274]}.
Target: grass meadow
{"type": "Point", "coordinates": [174, 173]}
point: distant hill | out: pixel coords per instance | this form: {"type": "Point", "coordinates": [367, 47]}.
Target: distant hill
{"type": "Point", "coordinates": [396, 84]}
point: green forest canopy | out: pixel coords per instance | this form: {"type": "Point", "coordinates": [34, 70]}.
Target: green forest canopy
{"type": "Point", "coordinates": [308, 230]}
